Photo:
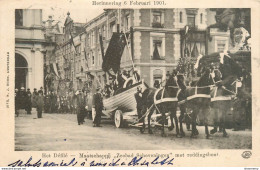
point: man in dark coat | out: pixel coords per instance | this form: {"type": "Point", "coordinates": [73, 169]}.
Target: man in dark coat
{"type": "Point", "coordinates": [34, 97]}
{"type": "Point", "coordinates": [80, 107]}
{"type": "Point", "coordinates": [181, 98]}
{"type": "Point", "coordinates": [28, 101]}
{"type": "Point", "coordinates": [53, 100]}
{"type": "Point", "coordinates": [139, 102]}
{"type": "Point", "coordinates": [47, 103]}
{"type": "Point", "coordinates": [22, 98]}
{"type": "Point", "coordinates": [40, 104]}
{"type": "Point", "coordinates": [97, 107]}
{"type": "Point", "coordinates": [156, 84]}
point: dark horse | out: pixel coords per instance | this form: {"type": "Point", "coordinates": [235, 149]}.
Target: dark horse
{"type": "Point", "coordinates": [198, 100]}
{"type": "Point", "coordinates": [162, 101]}
{"type": "Point", "coordinates": [224, 91]}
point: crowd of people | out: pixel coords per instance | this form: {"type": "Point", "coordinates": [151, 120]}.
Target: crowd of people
{"type": "Point", "coordinates": [78, 103]}
{"type": "Point", "coordinates": [27, 100]}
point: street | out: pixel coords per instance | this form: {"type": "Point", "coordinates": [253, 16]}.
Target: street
{"type": "Point", "coordinates": [56, 132]}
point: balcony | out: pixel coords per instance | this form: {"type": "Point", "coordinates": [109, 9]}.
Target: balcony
{"type": "Point", "coordinates": [158, 58]}
{"type": "Point", "coordinates": [157, 25]}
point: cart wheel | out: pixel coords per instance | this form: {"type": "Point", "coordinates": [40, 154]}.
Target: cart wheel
{"type": "Point", "coordinates": [118, 118]}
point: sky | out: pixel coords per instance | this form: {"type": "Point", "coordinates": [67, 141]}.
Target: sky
{"type": "Point", "coordinates": [80, 11]}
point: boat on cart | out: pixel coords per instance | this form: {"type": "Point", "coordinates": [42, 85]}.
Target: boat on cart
{"type": "Point", "coordinates": [121, 107]}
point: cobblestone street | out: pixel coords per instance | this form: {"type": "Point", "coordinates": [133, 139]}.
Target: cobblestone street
{"type": "Point", "coordinates": [61, 132]}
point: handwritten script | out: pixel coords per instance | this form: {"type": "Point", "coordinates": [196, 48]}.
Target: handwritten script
{"type": "Point", "coordinates": [135, 161]}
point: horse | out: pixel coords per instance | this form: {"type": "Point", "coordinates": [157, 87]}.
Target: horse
{"type": "Point", "coordinates": [162, 101]}
{"type": "Point", "coordinates": [198, 100]}
{"type": "Point", "coordinates": [223, 93]}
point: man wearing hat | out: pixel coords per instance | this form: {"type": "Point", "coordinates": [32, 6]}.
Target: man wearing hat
{"type": "Point", "coordinates": [97, 107]}
{"type": "Point", "coordinates": [41, 90]}
{"type": "Point", "coordinates": [22, 98]}
{"type": "Point", "coordinates": [80, 106]}
{"type": "Point", "coordinates": [139, 106]}
{"type": "Point", "coordinates": [181, 98]}
{"type": "Point", "coordinates": [28, 107]}
{"type": "Point", "coordinates": [34, 97]}
{"type": "Point", "coordinates": [39, 104]}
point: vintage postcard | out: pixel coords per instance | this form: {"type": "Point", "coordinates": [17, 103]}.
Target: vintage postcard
{"type": "Point", "coordinates": [150, 83]}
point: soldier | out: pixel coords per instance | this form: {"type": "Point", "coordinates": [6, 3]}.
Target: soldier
{"type": "Point", "coordinates": [80, 106]}
{"type": "Point", "coordinates": [41, 90]}
{"type": "Point", "coordinates": [40, 103]}
{"type": "Point", "coordinates": [47, 103]}
{"type": "Point", "coordinates": [28, 101]}
{"type": "Point", "coordinates": [136, 75]}
{"type": "Point", "coordinates": [34, 96]}
{"type": "Point", "coordinates": [97, 107]}
{"type": "Point", "coordinates": [181, 98]}
{"type": "Point", "coordinates": [121, 78]}
{"type": "Point", "coordinates": [156, 84]}
{"type": "Point", "coordinates": [53, 100]}
{"type": "Point", "coordinates": [139, 107]}
{"type": "Point", "coordinates": [22, 98]}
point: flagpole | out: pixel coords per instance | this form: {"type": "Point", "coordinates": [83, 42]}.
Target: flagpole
{"type": "Point", "coordinates": [129, 50]}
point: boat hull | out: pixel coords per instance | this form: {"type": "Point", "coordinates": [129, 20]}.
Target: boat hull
{"type": "Point", "coordinates": [124, 101]}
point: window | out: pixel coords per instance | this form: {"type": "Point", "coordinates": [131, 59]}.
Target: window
{"type": "Point", "coordinates": [221, 45]}
{"type": "Point", "coordinates": [93, 58]}
{"type": "Point", "coordinates": [157, 44]}
{"type": "Point", "coordinates": [88, 39]}
{"type": "Point", "coordinates": [201, 18]}
{"type": "Point", "coordinates": [180, 17]}
{"type": "Point", "coordinates": [19, 17]}
{"type": "Point", "coordinates": [87, 60]}
{"type": "Point", "coordinates": [99, 57]}
{"type": "Point", "coordinates": [127, 22]}
{"type": "Point", "coordinates": [157, 19]}
{"type": "Point", "coordinates": [157, 49]}
{"type": "Point", "coordinates": [112, 28]}
{"type": "Point", "coordinates": [104, 32]}
{"type": "Point", "coordinates": [191, 20]}
{"type": "Point", "coordinates": [92, 38]}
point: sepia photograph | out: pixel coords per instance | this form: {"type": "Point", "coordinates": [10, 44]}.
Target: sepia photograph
{"type": "Point", "coordinates": [129, 83]}
{"type": "Point", "coordinates": [132, 79]}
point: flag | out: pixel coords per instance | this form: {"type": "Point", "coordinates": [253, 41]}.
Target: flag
{"type": "Point", "coordinates": [54, 69]}
{"type": "Point", "coordinates": [195, 51]}
{"type": "Point", "coordinates": [72, 41]}
{"type": "Point", "coordinates": [114, 52]}
{"type": "Point", "coordinates": [86, 57]}
{"type": "Point", "coordinates": [57, 65]}
{"type": "Point", "coordinates": [101, 46]}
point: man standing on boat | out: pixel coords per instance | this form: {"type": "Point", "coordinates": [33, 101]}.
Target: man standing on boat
{"type": "Point", "coordinates": [97, 108]}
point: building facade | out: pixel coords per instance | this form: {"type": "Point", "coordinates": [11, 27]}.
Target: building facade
{"type": "Point", "coordinates": [156, 41]}
{"type": "Point", "coordinates": [29, 48]}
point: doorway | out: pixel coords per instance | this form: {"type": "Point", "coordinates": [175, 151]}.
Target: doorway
{"type": "Point", "coordinates": [21, 70]}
